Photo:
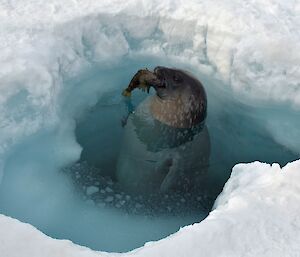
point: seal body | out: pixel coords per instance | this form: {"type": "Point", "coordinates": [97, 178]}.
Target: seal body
{"type": "Point", "coordinates": [156, 157]}
{"type": "Point", "coordinates": [166, 143]}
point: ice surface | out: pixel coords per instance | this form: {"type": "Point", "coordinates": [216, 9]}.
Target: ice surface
{"type": "Point", "coordinates": [248, 48]}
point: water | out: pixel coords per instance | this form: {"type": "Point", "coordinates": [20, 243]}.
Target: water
{"type": "Point", "coordinates": [83, 202]}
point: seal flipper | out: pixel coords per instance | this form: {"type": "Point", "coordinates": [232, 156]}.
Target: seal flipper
{"type": "Point", "coordinates": [170, 168]}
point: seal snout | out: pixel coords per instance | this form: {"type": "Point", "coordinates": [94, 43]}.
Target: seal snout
{"type": "Point", "coordinates": [161, 88]}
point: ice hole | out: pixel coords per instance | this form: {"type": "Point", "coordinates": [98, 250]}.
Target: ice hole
{"type": "Point", "coordinates": [81, 202]}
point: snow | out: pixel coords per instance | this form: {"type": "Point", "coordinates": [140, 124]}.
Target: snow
{"type": "Point", "coordinates": [256, 215]}
{"type": "Point", "coordinates": [244, 43]}
{"type": "Point", "coordinates": [251, 47]}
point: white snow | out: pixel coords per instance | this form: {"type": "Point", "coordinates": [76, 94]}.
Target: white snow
{"type": "Point", "coordinates": [251, 46]}
{"type": "Point", "coordinates": [247, 44]}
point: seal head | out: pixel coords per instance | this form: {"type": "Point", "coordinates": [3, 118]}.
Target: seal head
{"type": "Point", "coordinates": [180, 98]}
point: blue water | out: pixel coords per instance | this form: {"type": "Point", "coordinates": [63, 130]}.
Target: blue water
{"type": "Point", "coordinates": [81, 201]}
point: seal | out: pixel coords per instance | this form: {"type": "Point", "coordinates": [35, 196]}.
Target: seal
{"type": "Point", "coordinates": [166, 142]}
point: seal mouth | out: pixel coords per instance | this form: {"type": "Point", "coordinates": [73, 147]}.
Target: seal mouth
{"type": "Point", "coordinates": [161, 90]}
{"type": "Point", "coordinates": [144, 79]}
{"type": "Point", "coordinates": [161, 85]}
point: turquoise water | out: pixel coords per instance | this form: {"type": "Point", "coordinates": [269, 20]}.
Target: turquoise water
{"type": "Point", "coordinates": [83, 202]}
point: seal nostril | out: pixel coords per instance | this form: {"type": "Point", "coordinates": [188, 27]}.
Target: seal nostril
{"type": "Point", "coordinates": [162, 85]}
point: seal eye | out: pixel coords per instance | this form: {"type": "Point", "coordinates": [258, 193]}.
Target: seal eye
{"type": "Point", "coordinates": [177, 78]}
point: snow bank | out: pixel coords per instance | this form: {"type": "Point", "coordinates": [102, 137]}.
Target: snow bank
{"type": "Point", "coordinates": [245, 44]}
{"type": "Point", "coordinates": [256, 215]}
